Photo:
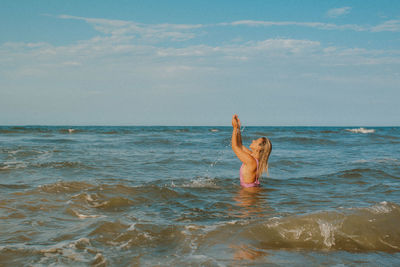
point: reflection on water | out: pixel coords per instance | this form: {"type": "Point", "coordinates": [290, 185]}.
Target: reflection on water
{"type": "Point", "coordinates": [246, 252]}
{"type": "Point", "coordinates": [252, 202]}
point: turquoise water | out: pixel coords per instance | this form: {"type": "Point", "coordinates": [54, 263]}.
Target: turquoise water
{"type": "Point", "coordinates": [121, 196]}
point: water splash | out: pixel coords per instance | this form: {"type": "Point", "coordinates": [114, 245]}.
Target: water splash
{"type": "Point", "coordinates": [220, 155]}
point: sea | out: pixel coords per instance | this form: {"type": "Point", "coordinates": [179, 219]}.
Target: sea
{"type": "Point", "coordinates": [170, 196]}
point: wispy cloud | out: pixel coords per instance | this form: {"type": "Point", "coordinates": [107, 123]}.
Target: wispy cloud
{"type": "Point", "coordinates": [318, 25]}
{"type": "Point", "coordinates": [244, 51]}
{"type": "Point", "coordinates": [137, 42]}
{"type": "Point", "coordinates": [121, 31]}
{"type": "Point", "coordinates": [138, 46]}
{"type": "Point", "coordinates": [390, 25]}
{"type": "Point", "coordinates": [338, 12]}
{"type": "Point", "coordinates": [153, 32]}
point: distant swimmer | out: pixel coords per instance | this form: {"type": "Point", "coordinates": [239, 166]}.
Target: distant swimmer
{"type": "Point", "coordinates": [255, 159]}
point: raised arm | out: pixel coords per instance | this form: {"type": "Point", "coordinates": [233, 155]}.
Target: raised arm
{"type": "Point", "coordinates": [237, 146]}
{"type": "Point", "coordinates": [239, 135]}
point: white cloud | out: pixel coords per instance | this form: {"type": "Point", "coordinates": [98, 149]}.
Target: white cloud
{"type": "Point", "coordinates": [103, 57]}
{"type": "Point", "coordinates": [287, 45]}
{"type": "Point", "coordinates": [390, 25]}
{"type": "Point", "coordinates": [317, 25]}
{"type": "Point", "coordinates": [123, 32]}
{"type": "Point", "coordinates": [243, 51]}
{"type": "Point", "coordinates": [153, 33]}
{"type": "Point", "coordinates": [71, 63]}
{"type": "Point", "coordinates": [337, 12]}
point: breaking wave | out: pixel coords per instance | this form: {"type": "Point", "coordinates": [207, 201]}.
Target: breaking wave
{"type": "Point", "coordinates": [361, 130]}
{"type": "Point", "coordinates": [372, 228]}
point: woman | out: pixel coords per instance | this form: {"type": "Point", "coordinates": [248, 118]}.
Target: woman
{"type": "Point", "coordinates": [255, 159]}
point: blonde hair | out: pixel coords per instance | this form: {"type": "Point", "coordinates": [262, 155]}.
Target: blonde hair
{"type": "Point", "coordinates": [265, 151]}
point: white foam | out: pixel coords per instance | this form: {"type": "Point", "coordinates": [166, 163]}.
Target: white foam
{"type": "Point", "coordinates": [13, 152]}
{"type": "Point", "coordinates": [84, 216]}
{"type": "Point", "coordinates": [378, 160]}
{"type": "Point", "coordinates": [213, 227]}
{"type": "Point", "coordinates": [273, 222]}
{"type": "Point", "coordinates": [13, 165]}
{"type": "Point", "coordinates": [98, 205]}
{"type": "Point", "coordinates": [147, 235]}
{"type": "Point", "coordinates": [361, 161]}
{"type": "Point", "coordinates": [201, 182]}
{"type": "Point", "coordinates": [83, 240]}
{"type": "Point", "coordinates": [198, 257]}
{"type": "Point", "coordinates": [4, 167]}
{"type": "Point", "coordinates": [71, 130]}
{"type": "Point", "coordinates": [192, 227]}
{"type": "Point", "coordinates": [390, 245]}
{"type": "Point", "coordinates": [384, 160]}
{"type": "Point", "coordinates": [80, 242]}
{"type": "Point", "coordinates": [63, 251]}
{"type": "Point", "coordinates": [126, 244]}
{"type": "Point", "coordinates": [361, 130]}
{"type": "Point", "coordinates": [131, 227]}
{"type": "Point", "coordinates": [67, 250]}
{"type": "Point", "coordinates": [327, 232]}
{"type": "Point", "coordinates": [380, 208]}
{"type": "Point", "coordinates": [295, 233]}
{"type": "Point", "coordinates": [88, 197]}
{"type": "Point", "coordinates": [99, 260]}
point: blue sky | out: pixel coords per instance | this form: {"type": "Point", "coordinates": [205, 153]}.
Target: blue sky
{"type": "Point", "coordinates": [198, 62]}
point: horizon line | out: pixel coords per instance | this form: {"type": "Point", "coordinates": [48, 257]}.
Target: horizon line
{"type": "Point", "coordinates": [159, 125]}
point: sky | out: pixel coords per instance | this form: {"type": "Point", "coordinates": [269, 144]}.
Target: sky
{"type": "Point", "coordinates": [274, 63]}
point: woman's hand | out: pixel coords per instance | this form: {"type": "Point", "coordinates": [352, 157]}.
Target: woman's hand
{"type": "Point", "coordinates": [235, 122]}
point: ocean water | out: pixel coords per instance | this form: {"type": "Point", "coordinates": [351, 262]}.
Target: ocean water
{"type": "Point", "coordinates": [170, 196]}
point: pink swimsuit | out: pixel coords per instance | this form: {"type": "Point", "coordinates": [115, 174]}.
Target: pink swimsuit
{"type": "Point", "coordinates": [242, 183]}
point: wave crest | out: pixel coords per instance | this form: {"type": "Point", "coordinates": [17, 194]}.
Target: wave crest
{"type": "Point", "coordinates": [362, 229]}
{"type": "Point", "coordinates": [361, 130]}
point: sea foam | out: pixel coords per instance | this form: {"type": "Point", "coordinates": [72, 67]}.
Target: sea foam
{"type": "Point", "coordinates": [361, 130]}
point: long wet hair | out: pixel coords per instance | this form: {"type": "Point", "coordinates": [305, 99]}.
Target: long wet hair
{"type": "Point", "coordinates": [265, 151]}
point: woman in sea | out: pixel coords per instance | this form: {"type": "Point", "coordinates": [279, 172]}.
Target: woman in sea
{"type": "Point", "coordinates": [255, 159]}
